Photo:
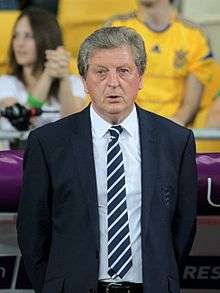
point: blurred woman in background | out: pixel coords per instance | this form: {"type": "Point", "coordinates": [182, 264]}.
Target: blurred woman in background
{"type": "Point", "coordinates": [39, 65]}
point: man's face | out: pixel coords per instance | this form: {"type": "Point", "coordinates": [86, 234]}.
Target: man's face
{"type": "Point", "coordinates": [113, 82]}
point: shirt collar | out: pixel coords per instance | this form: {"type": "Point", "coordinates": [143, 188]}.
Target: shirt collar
{"type": "Point", "coordinates": [100, 127]}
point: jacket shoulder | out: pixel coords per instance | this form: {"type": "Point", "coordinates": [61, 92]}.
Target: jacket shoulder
{"type": "Point", "coordinates": [165, 127]}
{"type": "Point", "coordinates": [60, 130]}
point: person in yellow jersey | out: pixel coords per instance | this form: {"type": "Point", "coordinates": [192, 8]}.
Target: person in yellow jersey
{"type": "Point", "coordinates": [179, 59]}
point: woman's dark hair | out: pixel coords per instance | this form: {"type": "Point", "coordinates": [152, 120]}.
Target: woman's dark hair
{"type": "Point", "coordinates": [47, 35]}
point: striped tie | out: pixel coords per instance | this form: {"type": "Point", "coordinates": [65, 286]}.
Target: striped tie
{"type": "Point", "coordinates": [119, 244]}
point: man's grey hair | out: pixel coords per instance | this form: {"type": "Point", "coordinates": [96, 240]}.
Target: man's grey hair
{"type": "Point", "coordinates": [109, 38]}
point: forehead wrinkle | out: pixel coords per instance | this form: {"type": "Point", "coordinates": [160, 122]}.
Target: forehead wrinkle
{"type": "Point", "coordinates": [116, 62]}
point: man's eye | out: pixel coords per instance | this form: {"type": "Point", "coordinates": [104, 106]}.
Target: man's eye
{"type": "Point", "coordinates": [100, 72]}
{"type": "Point", "coordinates": [124, 70]}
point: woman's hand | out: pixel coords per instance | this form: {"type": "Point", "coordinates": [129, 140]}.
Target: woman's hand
{"type": "Point", "coordinates": [57, 64]}
{"type": "Point", "coordinates": [7, 102]}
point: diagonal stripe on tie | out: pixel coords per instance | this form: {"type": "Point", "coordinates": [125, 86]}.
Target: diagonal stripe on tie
{"type": "Point", "coordinates": [126, 267]}
{"type": "Point", "coordinates": [119, 263]}
{"type": "Point", "coordinates": [115, 162]}
{"type": "Point", "coordinates": [116, 200]}
{"type": "Point", "coordinates": [118, 250]}
{"type": "Point", "coordinates": [118, 238]}
{"type": "Point", "coordinates": [118, 210]}
{"type": "Point", "coordinates": [119, 243]}
{"type": "Point", "coordinates": [118, 181]}
{"type": "Point", "coordinates": [115, 175]}
{"type": "Point", "coordinates": [122, 220]}
{"type": "Point", "coordinates": [116, 187]}
{"type": "Point", "coordinates": [114, 170]}
{"type": "Point", "coordinates": [114, 152]}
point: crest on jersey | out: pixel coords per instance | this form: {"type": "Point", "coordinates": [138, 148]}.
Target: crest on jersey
{"type": "Point", "coordinates": [180, 58]}
{"type": "Point", "coordinates": [156, 49]}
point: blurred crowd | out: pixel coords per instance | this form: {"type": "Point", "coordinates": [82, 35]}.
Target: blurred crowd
{"type": "Point", "coordinates": [39, 82]}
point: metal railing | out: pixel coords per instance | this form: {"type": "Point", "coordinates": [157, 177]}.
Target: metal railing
{"type": "Point", "coordinates": [10, 135]}
{"type": "Point", "coordinates": [200, 134]}
{"type": "Point", "coordinates": [207, 133]}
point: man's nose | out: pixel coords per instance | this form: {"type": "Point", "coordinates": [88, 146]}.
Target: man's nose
{"type": "Point", "coordinates": [113, 80]}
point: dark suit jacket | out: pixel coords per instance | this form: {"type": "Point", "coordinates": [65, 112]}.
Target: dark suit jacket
{"type": "Point", "coordinates": [58, 221]}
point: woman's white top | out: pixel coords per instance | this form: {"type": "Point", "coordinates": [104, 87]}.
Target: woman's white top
{"type": "Point", "coordinates": [11, 86]}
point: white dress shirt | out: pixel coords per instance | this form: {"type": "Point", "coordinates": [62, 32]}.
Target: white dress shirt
{"type": "Point", "coordinates": [130, 144]}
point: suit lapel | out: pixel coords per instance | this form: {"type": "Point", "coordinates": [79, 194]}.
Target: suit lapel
{"type": "Point", "coordinates": [83, 151]}
{"type": "Point", "coordinates": [149, 163]}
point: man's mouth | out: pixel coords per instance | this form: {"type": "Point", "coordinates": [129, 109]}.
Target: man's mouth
{"type": "Point", "coordinates": [113, 97]}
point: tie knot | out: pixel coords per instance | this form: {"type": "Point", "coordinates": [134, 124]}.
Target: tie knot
{"type": "Point", "coordinates": [115, 130]}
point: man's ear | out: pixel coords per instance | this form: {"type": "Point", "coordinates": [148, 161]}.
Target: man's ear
{"type": "Point", "coordinates": [84, 84]}
{"type": "Point", "coordinates": [141, 82]}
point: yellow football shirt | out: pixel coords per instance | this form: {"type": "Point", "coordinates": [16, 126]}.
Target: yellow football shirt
{"type": "Point", "coordinates": [172, 54]}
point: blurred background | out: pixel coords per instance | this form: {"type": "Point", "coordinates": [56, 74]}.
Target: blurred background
{"type": "Point", "coordinates": [77, 19]}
